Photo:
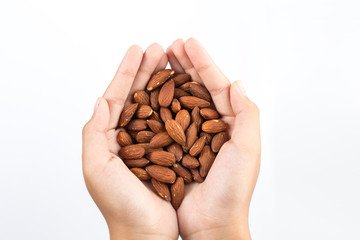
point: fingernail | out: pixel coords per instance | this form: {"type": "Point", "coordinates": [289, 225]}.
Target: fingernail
{"type": "Point", "coordinates": [97, 104]}
{"type": "Point", "coordinates": [240, 87]}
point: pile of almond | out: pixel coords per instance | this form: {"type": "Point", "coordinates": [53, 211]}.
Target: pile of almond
{"type": "Point", "coordinates": [171, 134]}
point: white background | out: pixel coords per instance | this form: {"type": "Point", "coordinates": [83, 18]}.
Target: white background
{"type": "Point", "coordinates": [299, 61]}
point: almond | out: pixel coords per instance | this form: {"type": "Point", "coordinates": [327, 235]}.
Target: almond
{"type": "Point", "coordinates": [177, 192]}
{"type": "Point", "coordinates": [136, 163]}
{"type": "Point", "coordinates": [160, 173]}
{"type": "Point", "coordinates": [136, 125]}
{"type": "Point", "coordinates": [181, 78]}
{"type": "Point", "coordinates": [175, 106]}
{"type": "Point", "coordinates": [162, 158]}
{"type": "Point", "coordinates": [183, 118]}
{"type": "Point", "coordinates": [131, 152]}
{"type": "Point", "coordinates": [182, 172]}
{"type": "Point", "coordinates": [189, 161]}
{"type": "Point", "coordinates": [191, 136]}
{"type": "Point", "coordinates": [208, 137]}
{"type": "Point", "coordinates": [175, 131]}
{"type": "Point", "coordinates": [132, 133]}
{"type": "Point", "coordinates": [141, 97]}
{"type": "Point", "coordinates": [144, 136]}
{"type": "Point", "coordinates": [196, 118]}
{"type": "Point", "coordinates": [206, 160]}
{"type": "Point", "coordinates": [179, 93]}
{"type": "Point", "coordinates": [147, 148]}
{"type": "Point", "coordinates": [166, 94]}
{"type": "Point", "coordinates": [161, 139]}
{"type": "Point", "coordinates": [154, 99]}
{"type": "Point", "coordinates": [199, 91]}
{"type": "Point", "coordinates": [186, 86]}
{"type": "Point", "coordinates": [155, 126]}
{"type": "Point", "coordinates": [191, 102]}
{"type": "Point", "coordinates": [127, 114]}
{"type": "Point", "coordinates": [124, 139]}
{"type": "Point", "coordinates": [143, 111]}
{"type": "Point", "coordinates": [159, 78]}
{"type": "Point", "coordinates": [218, 140]}
{"type": "Point", "coordinates": [155, 116]}
{"type": "Point", "coordinates": [197, 146]}
{"type": "Point", "coordinates": [208, 114]}
{"type": "Point", "coordinates": [176, 149]}
{"type": "Point", "coordinates": [196, 175]}
{"type": "Point", "coordinates": [140, 174]}
{"type": "Point", "coordinates": [214, 126]}
{"type": "Point", "coordinates": [165, 114]}
{"type": "Point", "coordinates": [161, 189]}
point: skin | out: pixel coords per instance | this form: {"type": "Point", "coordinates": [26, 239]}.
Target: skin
{"type": "Point", "coordinates": [216, 209]}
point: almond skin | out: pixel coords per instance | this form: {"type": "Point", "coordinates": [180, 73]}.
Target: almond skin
{"type": "Point", "coordinates": [197, 146]}
{"type": "Point", "coordinates": [154, 99]}
{"type": "Point", "coordinates": [208, 114]}
{"type": "Point", "coordinates": [131, 152]}
{"type": "Point", "coordinates": [176, 149]}
{"type": "Point", "coordinates": [179, 93]}
{"type": "Point", "coordinates": [175, 131]}
{"type": "Point", "coordinates": [143, 111]}
{"type": "Point", "coordinates": [208, 137]}
{"type": "Point", "coordinates": [181, 78]}
{"type": "Point", "coordinates": [189, 161]}
{"type": "Point", "coordinates": [141, 97]}
{"type": "Point", "coordinates": [162, 158]}
{"type": "Point", "coordinates": [136, 125]}
{"type": "Point", "coordinates": [177, 192]}
{"type": "Point", "coordinates": [132, 133]}
{"type": "Point", "coordinates": [165, 114]}
{"type": "Point", "coordinates": [183, 118]}
{"type": "Point", "coordinates": [161, 189]}
{"type": "Point", "coordinates": [159, 78]}
{"type": "Point", "coordinates": [175, 106]}
{"type": "Point", "coordinates": [155, 116]}
{"type": "Point", "coordinates": [218, 140]}
{"type": "Point", "coordinates": [190, 102]}
{"type": "Point", "coordinates": [191, 136]}
{"type": "Point", "coordinates": [196, 118]}
{"type": "Point", "coordinates": [155, 126]}
{"type": "Point", "coordinates": [214, 126]}
{"type": "Point", "coordinates": [140, 174]}
{"type": "Point", "coordinates": [166, 94]}
{"type": "Point", "coordinates": [199, 91]}
{"type": "Point", "coordinates": [136, 163]}
{"type": "Point", "coordinates": [206, 160]}
{"type": "Point", "coordinates": [161, 139]}
{"type": "Point", "coordinates": [124, 139]}
{"type": "Point", "coordinates": [196, 175]}
{"type": "Point", "coordinates": [127, 114]}
{"type": "Point", "coordinates": [147, 148]}
{"type": "Point", "coordinates": [182, 172]}
{"type": "Point", "coordinates": [144, 136]}
{"type": "Point", "coordinates": [160, 173]}
{"type": "Point", "coordinates": [186, 86]}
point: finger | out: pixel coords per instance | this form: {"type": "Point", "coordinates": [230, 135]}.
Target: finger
{"type": "Point", "coordinates": [179, 52]}
{"type": "Point", "coordinates": [214, 80]}
{"type": "Point", "coordinates": [162, 64]}
{"type": "Point", "coordinates": [118, 90]}
{"type": "Point", "coordinates": [174, 63]}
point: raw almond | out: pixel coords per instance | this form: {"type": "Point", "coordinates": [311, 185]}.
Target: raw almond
{"type": "Point", "coordinates": [124, 139]}
{"type": "Point", "coordinates": [166, 94]}
{"type": "Point", "coordinates": [190, 102]}
{"type": "Point", "coordinates": [197, 146]}
{"type": "Point", "coordinates": [183, 118]}
{"type": "Point", "coordinates": [189, 161]}
{"type": "Point", "coordinates": [218, 140]}
{"type": "Point", "coordinates": [179, 93]}
{"type": "Point", "coordinates": [161, 189]}
{"type": "Point", "coordinates": [196, 118]}
{"type": "Point", "coordinates": [155, 126]}
{"type": "Point", "coordinates": [147, 148]}
{"type": "Point", "coordinates": [182, 172]}
{"type": "Point", "coordinates": [161, 139]}
{"type": "Point", "coordinates": [162, 158]}
{"type": "Point", "coordinates": [165, 114]}
{"type": "Point", "coordinates": [159, 78]}
{"type": "Point", "coordinates": [127, 114]}
{"type": "Point", "coordinates": [136, 125]}
{"type": "Point", "coordinates": [208, 113]}
{"type": "Point", "coordinates": [162, 174]}
{"type": "Point", "coordinates": [141, 97]}
{"type": "Point", "coordinates": [176, 149]}
{"type": "Point", "coordinates": [175, 106]}
{"type": "Point", "coordinates": [140, 174]}
{"type": "Point", "coordinates": [131, 152]}
{"type": "Point", "coordinates": [143, 111]}
{"type": "Point", "coordinates": [196, 175]}
{"type": "Point", "coordinates": [174, 129]}
{"type": "Point", "coordinates": [191, 136]}
{"type": "Point", "coordinates": [154, 99]}
{"type": "Point", "coordinates": [186, 86]}
{"type": "Point", "coordinates": [177, 192]}
{"type": "Point", "coordinates": [132, 133]}
{"type": "Point", "coordinates": [181, 78]}
{"type": "Point", "coordinates": [206, 160]}
{"type": "Point", "coordinates": [199, 91]}
{"type": "Point", "coordinates": [155, 116]}
{"type": "Point", "coordinates": [208, 137]}
{"type": "Point", "coordinates": [136, 163]}
{"type": "Point", "coordinates": [144, 136]}
{"type": "Point", "coordinates": [214, 126]}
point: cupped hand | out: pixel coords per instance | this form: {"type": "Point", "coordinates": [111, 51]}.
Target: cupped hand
{"type": "Point", "coordinates": [130, 208]}
{"type": "Point", "coordinates": [218, 207]}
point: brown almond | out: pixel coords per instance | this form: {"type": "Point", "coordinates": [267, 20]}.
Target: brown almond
{"type": "Point", "coordinates": [199, 91]}
{"type": "Point", "coordinates": [162, 158]}
{"type": "Point", "coordinates": [143, 111]}
{"type": "Point", "coordinates": [124, 139]}
{"type": "Point", "coordinates": [161, 189]}
{"type": "Point", "coordinates": [189, 161]}
{"type": "Point", "coordinates": [175, 106]}
{"type": "Point", "coordinates": [147, 148]}
{"type": "Point", "coordinates": [182, 172]}
{"type": "Point", "coordinates": [132, 133]}
{"type": "Point", "coordinates": [196, 175]}
{"type": "Point", "coordinates": [196, 118]}
{"type": "Point", "coordinates": [208, 137]}
{"type": "Point", "coordinates": [179, 93]}
{"type": "Point", "coordinates": [162, 174]}
{"type": "Point", "coordinates": [166, 94]}
{"type": "Point", "coordinates": [161, 139]}
{"type": "Point", "coordinates": [183, 118]}
{"type": "Point", "coordinates": [155, 116]}
{"type": "Point", "coordinates": [136, 125]}
{"type": "Point", "coordinates": [177, 192]}
{"type": "Point", "coordinates": [144, 136]}
{"type": "Point", "coordinates": [165, 114]}
{"type": "Point", "coordinates": [140, 174]}
{"type": "Point", "coordinates": [206, 160]}
{"type": "Point", "coordinates": [218, 140]}
{"type": "Point", "coordinates": [197, 146]}
{"type": "Point", "coordinates": [208, 113]}
{"type": "Point", "coordinates": [181, 78]}
{"type": "Point", "coordinates": [154, 99]}
{"type": "Point", "coordinates": [214, 126]}
{"type": "Point", "coordinates": [191, 136]}
{"type": "Point", "coordinates": [127, 114]}
{"type": "Point", "coordinates": [191, 102]}
{"type": "Point", "coordinates": [175, 131]}
{"type": "Point", "coordinates": [176, 149]}
{"type": "Point", "coordinates": [141, 97]}
{"type": "Point", "coordinates": [186, 86]}
{"type": "Point", "coordinates": [155, 126]}
{"type": "Point", "coordinates": [131, 152]}
{"type": "Point", "coordinates": [159, 78]}
{"type": "Point", "coordinates": [136, 163]}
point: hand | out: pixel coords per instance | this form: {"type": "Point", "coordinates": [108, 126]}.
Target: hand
{"type": "Point", "coordinates": [131, 209]}
{"type": "Point", "coordinates": [218, 208]}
